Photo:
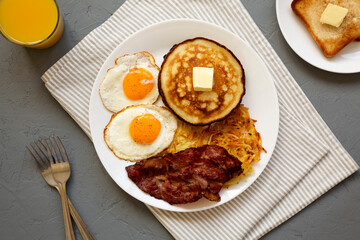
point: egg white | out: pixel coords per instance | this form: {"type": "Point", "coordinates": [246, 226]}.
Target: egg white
{"type": "Point", "coordinates": [118, 139]}
{"type": "Point", "coordinates": [111, 88]}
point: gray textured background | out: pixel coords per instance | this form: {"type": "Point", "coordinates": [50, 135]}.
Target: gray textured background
{"type": "Point", "coordinates": [29, 209]}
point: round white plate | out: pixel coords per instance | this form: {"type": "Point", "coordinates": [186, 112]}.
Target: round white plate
{"type": "Point", "coordinates": [301, 41]}
{"type": "Point", "coordinates": [260, 97]}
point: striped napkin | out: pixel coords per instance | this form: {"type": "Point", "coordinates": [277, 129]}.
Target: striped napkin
{"type": "Point", "coordinates": [302, 166]}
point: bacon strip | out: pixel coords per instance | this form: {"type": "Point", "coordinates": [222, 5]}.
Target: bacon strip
{"type": "Point", "coordinates": [186, 176]}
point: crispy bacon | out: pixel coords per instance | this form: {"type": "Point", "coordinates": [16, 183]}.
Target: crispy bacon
{"type": "Point", "coordinates": [186, 176]}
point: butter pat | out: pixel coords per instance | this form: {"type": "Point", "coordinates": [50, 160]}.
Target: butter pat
{"type": "Point", "coordinates": [333, 15]}
{"type": "Point", "coordinates": [203, 78]}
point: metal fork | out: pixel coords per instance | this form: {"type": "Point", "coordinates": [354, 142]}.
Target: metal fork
{"type": "Point", "coordinates": [55, 169]}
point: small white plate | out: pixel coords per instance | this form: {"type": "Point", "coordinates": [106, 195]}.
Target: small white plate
{"type": "Point", "coordinates": [301, 41]}
{"type": "Point", "coordinates": [260, 97]}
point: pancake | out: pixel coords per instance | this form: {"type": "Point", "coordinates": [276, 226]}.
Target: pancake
{"type": "Point", "coordinates": [176, 85]}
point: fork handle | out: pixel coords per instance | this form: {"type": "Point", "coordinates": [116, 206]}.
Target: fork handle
{"type": "Point", "coordinates": [84, 231]}
{"type": "Point", "coordinates": [69, 231]}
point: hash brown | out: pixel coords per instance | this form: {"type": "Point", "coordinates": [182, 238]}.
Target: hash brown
{"type": "Point", "coordinates": [236, 133]}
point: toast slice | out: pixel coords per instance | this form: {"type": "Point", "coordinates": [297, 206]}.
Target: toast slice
{"type": "Point", "coordinates": [330, 39]}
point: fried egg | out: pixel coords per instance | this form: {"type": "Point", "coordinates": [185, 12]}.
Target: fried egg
{"type": "Point", "coordinates": [139, 132]}
{"type": "Point", "coordinates": [132, 81]}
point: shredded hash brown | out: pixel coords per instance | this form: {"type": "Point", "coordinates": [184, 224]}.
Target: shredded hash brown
{"type": "Point", "coordinates": [236, 133]}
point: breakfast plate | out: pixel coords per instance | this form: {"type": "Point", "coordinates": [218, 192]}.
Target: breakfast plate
{"type": "Point", "coordinates": [301, 41]}
{"type": "Point", "coordinates": [260, 98]}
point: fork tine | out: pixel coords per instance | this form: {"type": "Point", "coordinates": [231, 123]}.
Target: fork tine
{"type": "Point", "coordinates": [39, 156]}
{"type": "Point", "coordinates": [47, 157]}
{"type": "Point", "coordinates": [61, 159]}
{"type": "Point", "coordinates": [48, 154]}
{"type": "Point", "coordinates": [40, 166]}
{"type": "Point", "coordinates": [63, 150]}
{"type": "Point", "coordinates": [51, 150]}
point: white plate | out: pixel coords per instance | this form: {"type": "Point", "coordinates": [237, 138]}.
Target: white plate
{"type": "Point", "coordinates": [301, 41]}
{"type": "Point", "coordinates": [260, 97]}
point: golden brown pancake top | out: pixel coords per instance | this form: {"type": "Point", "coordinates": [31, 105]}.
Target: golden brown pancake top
{"type": "Point", "coordinates": [176, 84]}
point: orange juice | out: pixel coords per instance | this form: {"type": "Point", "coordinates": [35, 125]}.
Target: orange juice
{"type": "Point", "coordinates": [31, 23]}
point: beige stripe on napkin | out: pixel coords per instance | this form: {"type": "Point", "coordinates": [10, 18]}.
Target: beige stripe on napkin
{"type": "Point", "coordinates": [70, 81]}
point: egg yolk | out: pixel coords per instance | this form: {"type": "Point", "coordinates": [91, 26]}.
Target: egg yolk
{"type": "Point", "coordinates": [144, 129]}
{"type": "Point", "coordinates": [138, 83]}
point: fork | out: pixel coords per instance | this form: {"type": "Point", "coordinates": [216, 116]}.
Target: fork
{"type": "Point", "coordinates": [55, 169]}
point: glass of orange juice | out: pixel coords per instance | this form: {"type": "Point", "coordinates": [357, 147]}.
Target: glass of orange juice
{"type": "Point", "coordinates": [31, 23]}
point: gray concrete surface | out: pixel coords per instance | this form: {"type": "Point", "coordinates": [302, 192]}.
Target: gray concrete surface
{"type": "Point", "coordinates": [29, 209]}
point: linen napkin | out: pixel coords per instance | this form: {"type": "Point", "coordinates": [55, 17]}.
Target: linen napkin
{"type": "Point", "coordinates": [301, 168]}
